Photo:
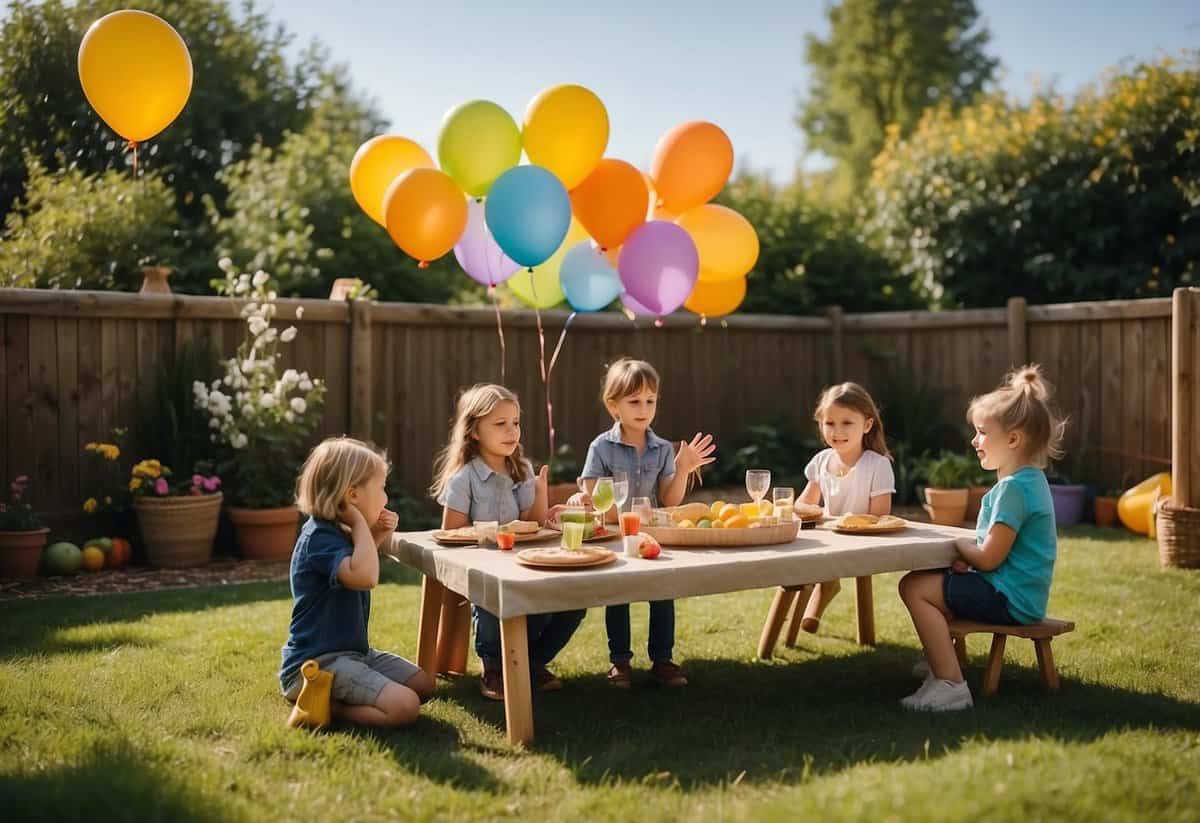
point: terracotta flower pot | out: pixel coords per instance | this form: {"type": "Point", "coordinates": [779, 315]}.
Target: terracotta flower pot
{"type": "Point", "coordinates": [266, 534]}
{"type": "Point", "coordinates": [1105, 511]}
{"type": "Point", "coordinates": [178, 531]}
{"type": "Point", "coordinates": [21, 553]}
{"type": "Point", "coordinates": [975, 500]}
{"type": "Point", "coordinates": [946, 507]}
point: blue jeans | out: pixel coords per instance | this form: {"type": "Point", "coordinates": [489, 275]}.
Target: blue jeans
{"type": "Point", "coordinates": [548, 634]}
{"type": "Point", "coordinates": [661, 643]}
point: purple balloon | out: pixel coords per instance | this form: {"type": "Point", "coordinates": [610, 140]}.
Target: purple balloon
{"type": "Point", "coordinates": [658, 267]}
{"type": "Point", "coordinates": [634, 306]}
{"type": "Point", "coordinates": [478, 253]}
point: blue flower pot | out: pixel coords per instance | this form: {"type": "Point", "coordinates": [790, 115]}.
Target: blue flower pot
{"type": "Point", "coordinates": [1068, 504]}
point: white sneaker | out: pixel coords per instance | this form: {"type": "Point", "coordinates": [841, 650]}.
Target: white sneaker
{"type": "Point", "coordinates": [939, 696]}
{"type": "Point", "coordinates": [921, 669]}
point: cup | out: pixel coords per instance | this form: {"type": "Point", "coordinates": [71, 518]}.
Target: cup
{"type": "Point", "coordinates": [485, 531]}
{"type": "Point", "coordinates": [572, 536]}
{"type": "Point", "coordinates": [506, 538]}
{"type": "Point", "coordinates": [633, 543]}
{"type": "Point", "coordinates": [631, 523]}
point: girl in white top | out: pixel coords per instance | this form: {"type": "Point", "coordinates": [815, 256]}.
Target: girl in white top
{"type": "Point", "coordinates": [853, 476]}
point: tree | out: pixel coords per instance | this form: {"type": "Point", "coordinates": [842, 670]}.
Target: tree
{"type": "Point", "coordinates": [884, 63]}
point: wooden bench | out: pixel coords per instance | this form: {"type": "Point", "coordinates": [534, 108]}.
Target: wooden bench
{"type": "Point", "coordinates": [1040, 633]}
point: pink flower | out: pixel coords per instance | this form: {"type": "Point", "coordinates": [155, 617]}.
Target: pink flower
{"type": "Point", "coordinates": [160, 486]}
{"type": "Point", "coordinates": [212, 483]}
{"type": "Point", "coordinates": [22, 480]}
{"type": "Point", "coordinates": [197, 480]}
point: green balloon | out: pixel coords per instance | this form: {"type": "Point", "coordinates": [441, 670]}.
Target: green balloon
{"type": "Point", "coordinates": [544, 289]}
{"type": "Point", "coordinates": [479, 141]}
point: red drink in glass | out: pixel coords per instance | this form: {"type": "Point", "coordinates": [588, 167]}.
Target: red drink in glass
{"type": "Point", "coordinates": [505, 540]}
{"type": "Point", "coordinates": [631, 523]}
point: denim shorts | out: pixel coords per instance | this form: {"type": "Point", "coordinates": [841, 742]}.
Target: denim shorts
{"type": "Point", "coordinates": [359, 678]}
{"type": "Point", "coordinates": [971, 597]}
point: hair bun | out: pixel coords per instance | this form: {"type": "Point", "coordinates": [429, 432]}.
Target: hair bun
{"type": "Point", "coordinates": [1029, 378]}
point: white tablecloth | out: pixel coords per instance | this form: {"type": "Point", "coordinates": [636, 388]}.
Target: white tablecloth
{"type": "Point", "coordinates": [497, 582]}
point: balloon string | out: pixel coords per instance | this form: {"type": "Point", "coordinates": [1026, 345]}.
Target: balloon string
{"type": "Point", "coordinates": [133, 146]}
{"type": "Point", "coordinates": [499, 333]}
{"type": "Point", "coordinates": [548, 373]}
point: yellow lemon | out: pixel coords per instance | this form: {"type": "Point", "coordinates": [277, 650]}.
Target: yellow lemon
{"type": "Point", "coordinates": [749, 510]}
{"type": "Point", "coordinates": [718, 524]}
{"type": "Point", "coordinates": [737, 522]}
{"type": "Point", "coordinates": [685, 524]}
{"type": "Point", "coordinates": [728, 511]}
{"type": "Point", "coordinates": [716, 507]}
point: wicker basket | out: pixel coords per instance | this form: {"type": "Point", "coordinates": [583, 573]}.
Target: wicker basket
{"type": "Point", "coordinates": [724, 538]}
{"type": "Point", "coordinates": [179, 531]}
{"type": "Point", "coordinates": [1178, 536]}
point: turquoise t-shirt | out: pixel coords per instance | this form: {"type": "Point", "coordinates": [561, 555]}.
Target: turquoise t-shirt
{"type": "Point", "coordinates": [1022, 502]}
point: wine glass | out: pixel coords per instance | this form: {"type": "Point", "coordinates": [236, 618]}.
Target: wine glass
{"type": "Point", "coordinates": [603, 496]}
{"type": "Point", "coordinates": [758, 481]}
{"type": "Point", "coordinates": [620, 488]}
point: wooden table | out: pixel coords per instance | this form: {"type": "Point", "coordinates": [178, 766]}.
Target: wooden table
{"type": "Point", "coordinates": [457, 576]}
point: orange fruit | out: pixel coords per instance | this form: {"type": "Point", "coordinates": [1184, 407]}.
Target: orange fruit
{"type": "Point", "coordinates": [737, 522]}
{"type": "Point", "coordinates": [120, 555]}
{"type": "Point", "coordinates": [728, 511]}
{"type": "Point", "coordinates": [93, 558]}
{"type": "Point", "coordinates": [749, 510]}
{"type": "Point", "coordinates": [716, 507]}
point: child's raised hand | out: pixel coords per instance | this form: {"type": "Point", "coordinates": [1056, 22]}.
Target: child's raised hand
{"type": "Point", "coordinates": [349, 514]}
{"type": "Point", "coordinates": [696, 454]}
{"type": "Point", "coordinates": [580, 499]}
{"type": "Point", "coordinates": [543, 479]}
{"type": "Point", "coordinates": [387, 522]}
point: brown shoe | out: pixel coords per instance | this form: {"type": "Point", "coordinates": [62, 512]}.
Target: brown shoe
{"type": "Point", "coordinates": [545, 680]}
{"type": "Point", "coordinates": [668, 674]}
{"type": "Point", "coordinates": [620, 675]}
{"type": "Point", "coordinates": [491, 684]}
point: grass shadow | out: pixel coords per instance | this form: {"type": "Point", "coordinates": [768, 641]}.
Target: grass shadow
{"type": "Point", "coordinates": [432, 749]}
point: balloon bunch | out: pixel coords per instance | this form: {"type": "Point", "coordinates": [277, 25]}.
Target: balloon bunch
{"type": "Point", "coordinates": [586, 228]}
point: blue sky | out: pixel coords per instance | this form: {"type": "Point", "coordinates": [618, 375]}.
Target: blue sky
{"type": "Point", "coordinates": [656, 63]}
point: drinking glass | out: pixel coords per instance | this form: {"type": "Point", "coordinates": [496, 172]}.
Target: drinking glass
{"type": "Point", "coordinates": [641, 507]}
{"type": "Point", "coordinates": [603, 495]}
{"type": "Point", "coordinates": [784, 498]}
{"type": "Point", "coordinates": [758, 481]}
{"type": "Point", "coordinates": [620, 488]}
{"type": "Point", "coordinates": [572, 536]}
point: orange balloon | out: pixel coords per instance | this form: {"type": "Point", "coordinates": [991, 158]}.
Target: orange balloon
{"type": "Point", "coordinates": [726, 242]}
{"type": "Point", "coordinates": [713, 298]}
{"type": "Point", "coordinates": [691, 165]}
{"type": "Point", "coordinates": [376, 164]}
{"type": "Point", "coordinates": [610, 202]}
{"type": "Point", "coordinates": [653, 210]}
{"type": "Point", "coordinates": [425, 213]}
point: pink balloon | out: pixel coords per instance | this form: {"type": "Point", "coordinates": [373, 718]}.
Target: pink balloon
{"type": "Point", "coordinates": [478, 253]}
{"type": "Point", "coordinates": [658, 266]}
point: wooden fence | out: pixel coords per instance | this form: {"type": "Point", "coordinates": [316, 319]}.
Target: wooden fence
{"type": "Point", "coordinates": [75, 365]}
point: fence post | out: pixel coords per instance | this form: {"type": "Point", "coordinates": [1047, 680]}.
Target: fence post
{"type": "Point", "coordinates": [361, 399]}
{"type": "Point", "coordinates": [835, 315]}
{"type": "Point", "coordinates": [1185, 397]}
{"type": "Point", "coordinates": [1018, 339]}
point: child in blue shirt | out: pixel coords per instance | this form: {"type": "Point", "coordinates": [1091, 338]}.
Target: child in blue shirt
{"type": "Point", "coordinates": [334, 567]}
{"type": "Point", "coordinates": [1003, 574]}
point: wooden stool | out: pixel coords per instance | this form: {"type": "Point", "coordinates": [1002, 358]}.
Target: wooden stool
{"type": "Point", "coordinates": [795, 599]}
{"type": "Point", "coordinates": [1040, 633]}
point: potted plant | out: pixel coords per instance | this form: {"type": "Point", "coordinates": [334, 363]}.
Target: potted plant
{"type": "Point", "coordinates": [108, 501]}
{"type": "Point", "coordinates": [264, 420]}
{"type": "Point", "coordinates": [981, 484]}
{"type": "Point", "coordinates": [22, 535]}
{"type": "Point", "coordinates": [1104, 508]}
{"type": "Point", "coordinates": [178, 521]}
{"type": "Point", "coordinates": [1069, 497]}
{"type": "Point", "coordinates": [565, 469]}
{"type": "Point", "coordinates": [948, 479]}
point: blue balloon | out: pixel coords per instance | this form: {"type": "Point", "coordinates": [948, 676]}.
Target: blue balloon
{"type": "Point", "coordinates": [588, 280]}
{"type": "Point", "coordinates": [528, 212]}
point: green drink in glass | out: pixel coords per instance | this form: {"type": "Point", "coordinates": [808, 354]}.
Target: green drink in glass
{"type": "Point", "coordinates": [602, 495]}
{"type": "Point", "coordinates": [572, 536]}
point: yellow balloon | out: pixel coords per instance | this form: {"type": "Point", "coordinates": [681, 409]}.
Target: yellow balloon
{"type": "Point", "coordinates": [713, 298]}
{"type": "Point", "coordinates": [425, 213]}
{"type": "Point", "coordinates": [136, 72]}
{"type": "Point", "coordinates": [566, 131]}
{"type": "Point", "coordinates": [376, 164]}
{"type": "Point", "coordinates": [545, 289]}
{"type": "Point", "coordinates": [726, 242]}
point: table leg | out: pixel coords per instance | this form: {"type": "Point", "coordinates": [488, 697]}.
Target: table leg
{"type": "Point", "coordinates": [775, 617]}
{"type": "Point", "coordinates": [454, 632]}
{"type": "Point", "coordinates": [518, 694]}
{"type": "Point", "coordinates": [864, 597]}
{"type": "Point", "coordinates": [427, 632]}
{"type": "Point", "coordinates": [797, 615]}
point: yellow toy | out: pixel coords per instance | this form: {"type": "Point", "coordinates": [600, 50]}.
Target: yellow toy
{"type": "Point", "coordinates": [1136, 506]}
{"type": "Point", "coordinates": [312, 705]}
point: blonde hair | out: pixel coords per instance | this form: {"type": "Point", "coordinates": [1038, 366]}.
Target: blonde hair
{"type": "Point", "coordinates": [335, 466]}
{"type": "Point", "coordinates": [473, 405]}
{"type": "Point", "coordinates": [854, 397]}
{"type": "Point", "coordinates": [1022, 404]}
{"type": "Point", "coordinates": [627, 377]}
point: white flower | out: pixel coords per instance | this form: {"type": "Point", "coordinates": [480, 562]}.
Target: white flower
{"type": "Point", "coordinates": [225, 264]}
{"type": "Point", "coordinates": [272, 296]}
{"type": "Point", "coordinates": [266, 400]}
{"type": "Point", "coordinates": [290, 378]}
{"type": "Point", "coordinates": [249, 364]}
{"type": "Point", "coordinates": [298, 405]}
{"type": "Point", "coordinates": [240, 288]}
{"type": "Point", "coordinates": [260, 279]}
{"type": "Point", "coordinates": [299, 312]}
{"type": "Point", "coordinates": [214, 423]}
{"type": "Point", "coordinates": [289, 334]}
{"type": "Point", "coordinates": [238, 441]}
{"type": "Point", "coordinates": [258, 326]}
{"type": "Point", "coordinates": [269, 335]}
{"type": "Point", "coordinates": [249, 309]}
{"type": "Point", "coordinates": [247, 410]}
{"type": "Point", "coordinates": [305, 384]}
{"type": "Point", "coordinates": [289, 417]}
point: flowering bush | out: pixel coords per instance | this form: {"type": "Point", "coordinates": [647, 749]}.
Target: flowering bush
{"type": "Point", "coordinates": [110, 494]}
{"type": "Point", "coordinates": [16, 515]}
{"type": "Point", "coordinates": [265, 418]}
{"type": "Point", "coordinates": [150, 478]}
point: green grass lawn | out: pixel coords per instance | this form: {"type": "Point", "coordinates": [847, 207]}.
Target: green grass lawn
{"type": "Point", "coordinates": [165, 706]}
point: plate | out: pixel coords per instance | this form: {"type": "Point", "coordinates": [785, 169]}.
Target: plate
{"type": "Point", "coordinates": [458, 537]}
{"type": "Point", "coordinates": [609, 534]}
{"type": "Point", "coordinates": [887, 529]}
{"type": "Point", "coordinates": [558, 558]}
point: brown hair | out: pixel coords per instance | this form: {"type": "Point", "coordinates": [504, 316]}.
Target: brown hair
{"type": "Point", "coordinates": [1022, 403]}
{"type": "Point", "coordinates": [335, 466]}
{"type": "Point", "coordinates": [854, 397]}
{"type": "Point", "coordinates": [473, 405]}
{"type": "Point", "coordinates": [625, 377]}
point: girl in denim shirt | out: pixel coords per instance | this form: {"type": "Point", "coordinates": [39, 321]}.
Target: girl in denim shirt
{"type": "Point", "coordinates": [631, 397]}
{"type": "Point", "coordinates": [482, 474]}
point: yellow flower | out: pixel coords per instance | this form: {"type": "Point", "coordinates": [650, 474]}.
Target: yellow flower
{"type": "Point", "coordinates": [135, 484]}
{"type": "Point", "coordinates": [91, 447]}
{"type": "Point", "coordinates": [90, 505]}
{"type": "Point", "coordinates": [109, 451]}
